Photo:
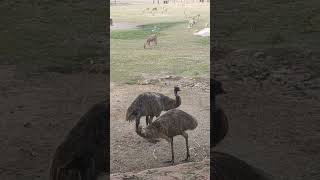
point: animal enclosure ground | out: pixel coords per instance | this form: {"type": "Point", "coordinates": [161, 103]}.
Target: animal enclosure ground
{"type": "Point", "coordinates": [130, 152]}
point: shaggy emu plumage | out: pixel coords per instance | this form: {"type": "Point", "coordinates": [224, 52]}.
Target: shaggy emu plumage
{"type": "Point", "coordinates": [151, 104]}
{"type": "Point", "coordinates": [172, 123]}
{"type": "Point", "coordinates": [217, 88]}
{"type": "Point", "coordinates": [220, 122]}
{"type": "Point", "coordinates": [225, 166]}
{"type": "Point", "coordinates": [83, 153]}
{"type": "Point", "coordinates": [220, 126]}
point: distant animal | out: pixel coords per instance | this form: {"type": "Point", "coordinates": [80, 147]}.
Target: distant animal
{"type": "Point", "coordinates": [197, 17]}
{"type": "Point", "coordinates": [146, 9]}
{"type": "Point", "coordinates": [151, 104]}
{"type": "Point", "coordinates": [154, 10]}
{"type": "Point", "coordinates": [164, 10]}
{"type": "Point", "coordinates": [227, 167]}
{"type": "Point", "coordinates": [83, 153]}
{"type": "Point", "coordinates": [192, 22]}
{"type": "Point", "coordinates": [151, 39]}
{"type": "Point", "coordinates": [172, 123]}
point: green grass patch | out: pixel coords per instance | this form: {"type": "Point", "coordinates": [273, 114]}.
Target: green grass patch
{"type": "Point", "coordinates": [178, 52]}
{"type": "Point", "coordinates": [204, 40]}
{"type": "Point", "coordinates": [143, 31]}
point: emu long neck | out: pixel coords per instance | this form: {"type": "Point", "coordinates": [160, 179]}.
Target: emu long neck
{"type": "Point", "coordinates": [141, 132]}
{"type": "Point", "coordinates": [178, 99]}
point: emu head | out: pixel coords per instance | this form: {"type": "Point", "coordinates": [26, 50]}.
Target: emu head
{"type": "Point", "coordinates": [148, 133]}
{"type": "Point", "coordinates": [131, 115]}
{"type": "Point", "coordinates": [176, 89]}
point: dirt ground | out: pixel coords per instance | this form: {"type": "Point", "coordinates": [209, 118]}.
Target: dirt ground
{"type": "Point", "coordinates": [37, 111]}
{"type": "Point", "coordinates": [192, 170]}
{"type": "Point", "coordinates": [273, 110]}
{"type": "Point", "coordinates": [130, 152]}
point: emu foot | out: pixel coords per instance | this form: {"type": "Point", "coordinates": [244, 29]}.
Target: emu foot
{"type": "Point", "coordinates": [170, 162]}
{"type": "Point", "coordinates": [187, 159]}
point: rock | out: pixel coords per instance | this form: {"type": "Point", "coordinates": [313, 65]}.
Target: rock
{"type": "Point", "coordinates": [27, 125]}
{"type": "Point", "coordinates": [259, 55]}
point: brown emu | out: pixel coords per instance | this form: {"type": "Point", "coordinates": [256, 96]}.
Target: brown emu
{"type": "Point", "coordinates": [151, 104]}
{"type": "Point", "coordinates": [172, 123]}
{"type": "Point", "coordinates": [83, 153]}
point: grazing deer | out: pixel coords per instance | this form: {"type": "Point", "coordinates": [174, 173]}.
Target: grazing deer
{"type": "Point", "coordinates": [154, 10]}
{"type": "Point", "coordinates": [146, 10]}
{"type": "Point", "coordinates": [151, 39]}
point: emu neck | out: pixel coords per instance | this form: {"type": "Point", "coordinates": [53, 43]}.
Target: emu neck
{"type": "Point", "coordinates": [178, 99]}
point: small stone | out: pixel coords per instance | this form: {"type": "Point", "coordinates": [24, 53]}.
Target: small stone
{"type": "Point", "coordinates": [259, 55]}
{"type": "Point", "coordinates": [27, 125]}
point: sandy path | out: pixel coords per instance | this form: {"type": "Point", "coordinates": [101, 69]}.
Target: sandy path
{"type": "Point", "coordinates": [130, 152]}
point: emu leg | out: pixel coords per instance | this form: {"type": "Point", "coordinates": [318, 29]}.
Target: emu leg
{"type": "Point", "coordinates": [138, 121]}
{"type": "Point", "coordinates": [172, 153]}
{"type": "Point", "coordinates": [150, 120]}
{"type": "Point", "coordinates": [185, 135]}
{"type": "Point", "coordinates": [147, 120]}
{"type": "Point", "coordinates": [172, 160]}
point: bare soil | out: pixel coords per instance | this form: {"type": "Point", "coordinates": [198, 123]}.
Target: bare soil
{"type": "Point", "coordinates": [273, 109]}
{"type": "Point", "coordinates": [192, 170]}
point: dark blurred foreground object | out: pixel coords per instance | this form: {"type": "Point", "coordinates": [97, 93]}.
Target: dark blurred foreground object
{"type": "Point", "coordinates": [217, 88]}
{"type": "Point", "coordinates": [220, 126]}
{"type": "Point", "coordinates": [227, 167]}
{"type": "Point", "coordinates": [220, 121]}
{"type": "Point", "coordinates": [83, 153]}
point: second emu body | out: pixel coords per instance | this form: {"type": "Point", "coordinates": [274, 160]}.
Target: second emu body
{"type": "Point", "coordinates": [151, 104]}
{"type": "Point", "coordinates": [83, 154]}
{"type": "Point", "coordinates": [172, 123]}
{"type": "Point", "coordinates": [225, 166]}
{"type": "Point", "coordinates": [220, 121]}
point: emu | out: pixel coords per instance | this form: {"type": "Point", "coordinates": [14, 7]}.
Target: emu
{"type": "Point", "coordinates": [151, 104]}
{"type": "Point", "coordinates": [83, 153]}
{"type": "Point", "coordinates": [172, 123]}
